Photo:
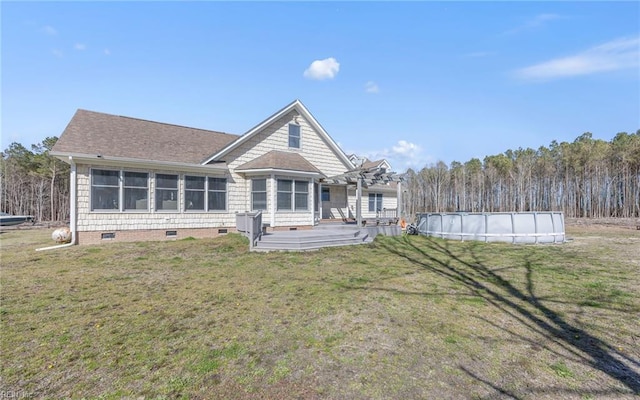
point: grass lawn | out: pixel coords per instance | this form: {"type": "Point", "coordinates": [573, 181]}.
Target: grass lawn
{"type": "Point", "coordinates": [402, 318]}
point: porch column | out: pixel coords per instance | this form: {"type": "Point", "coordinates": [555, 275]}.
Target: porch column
{"type": "Point", "coordinates": [319, 208]}
{"type": "Point", "coordinates": [359, 201]}
{"type": "Point", "coordinates": [311, 190]}
{"type": "Point", "coordinates": [273, 200]}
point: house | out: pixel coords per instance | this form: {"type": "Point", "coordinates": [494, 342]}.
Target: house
{"type": "Point", "coordinates": [133, 179]}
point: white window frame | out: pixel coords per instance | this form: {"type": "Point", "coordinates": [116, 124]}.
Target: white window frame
{"type": "Point", "coordinates": [225, 191]}
{"type": "Point", "coordinates": [292, 193]}
{"type": "Point", "coordinates": [378, 201]}
{"type": "Point", "coordinates": [121, 191]}
{"type": "Point", "coordinates": [254, 192]}
{"type": "Point", "coordinates": [206, 192]}
{"type": "Point", "coordinates": [125, 187]}
{"type": "Point", "coordinates": [162, 188]}
{"type": "Point", "coordinates": [92, 195]}
{"type": "Point", "coordinates": [298, 138]}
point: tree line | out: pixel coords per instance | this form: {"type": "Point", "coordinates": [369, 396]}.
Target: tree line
{"type": "Point", "coordinates": [588, 178]}
{"type": "Point", "coordinates": [32, 182]}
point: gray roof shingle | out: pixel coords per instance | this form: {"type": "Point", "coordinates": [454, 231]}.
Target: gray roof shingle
{"type": "Point", "coordinates": [92, 132]}
{"type": "Point", "coordinates": [280, 160]}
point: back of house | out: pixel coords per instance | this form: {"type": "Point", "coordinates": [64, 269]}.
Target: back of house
{"type": "Point", "coordinates": [133, 179]}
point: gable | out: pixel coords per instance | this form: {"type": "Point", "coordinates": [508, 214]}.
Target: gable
{"type": "Point", "coordinates": [316, 145]}
{"type": "Point", "coordinates": [275, 137]}
{"type": "Point", "coordinates": [94, 133]}
{"type": "Point", "coordinates": [365, 163]}
{"type": "Point", "coordinates": [381, 164]}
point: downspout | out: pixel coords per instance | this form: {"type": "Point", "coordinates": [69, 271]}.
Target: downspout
{"type": "Point", "coordinates": [73, 217]}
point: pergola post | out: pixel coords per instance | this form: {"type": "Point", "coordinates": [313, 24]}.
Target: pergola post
{"type": "Point", "coordinates": [319, 205]}
{"type": "Point", "coordinates": [367, 177]}
{"type": "Point", "coordinates": [399, 200]}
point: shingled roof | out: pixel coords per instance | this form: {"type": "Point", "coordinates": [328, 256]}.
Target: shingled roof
{"type": "Point", "coordinates": [280, 160]}
{"type": "Point", "coordinates": [371, 164]}
{"type": "Point", "coordinates": [92, 132]}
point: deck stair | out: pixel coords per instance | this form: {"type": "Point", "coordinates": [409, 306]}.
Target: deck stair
{"type": "Point", "coordinates": [329, 235]}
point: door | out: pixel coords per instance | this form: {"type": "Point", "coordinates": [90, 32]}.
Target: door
{"type": "Point", "coordinates": [334, 202]}
{"type": "Point", "coordinates": [326, 202]}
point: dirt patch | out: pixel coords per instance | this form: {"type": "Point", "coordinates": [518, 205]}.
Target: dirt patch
{"type": "Point", "coordinates": [604, 223]}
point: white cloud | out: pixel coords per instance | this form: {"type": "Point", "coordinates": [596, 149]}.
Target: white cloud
{"type": "Point", "coordinates": [107, 52]}
{"type": "Point", "coordinates": [80, 46]}
{"type": "Point", "coordinates": [404, 148]}
{"type": "Point", "coordinates": [537, 21]}
{"type": "Point", "coordinates": [622, 53]}
{"type": "Point", "coordinates": [479, 54]}
{"type": "Point", "coordinates": [57, 53]}
{"type": "Point", "coordinates": [371, 87]}
{"type": "Point", "coordinates": [49, 30]}
{"type": "Point", "coordinates": [401, 156]}
{"type": "Point", "coordinates": [322, 69]}
{"type": "Point", "coordinates": [541, 19]}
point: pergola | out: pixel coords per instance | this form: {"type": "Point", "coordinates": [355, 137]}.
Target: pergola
{"type": "Point", "coordinates": [365, 177]}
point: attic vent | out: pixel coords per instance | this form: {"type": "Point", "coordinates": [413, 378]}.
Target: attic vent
{"type": "Point", "coordinates": [108, 235]}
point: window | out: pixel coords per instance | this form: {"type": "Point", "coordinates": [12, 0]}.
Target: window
{"type": "Point", "coordinates": [105, 190]}
{"type": "Point", "coordinates": [285, 189]}
{"type": "Point", "coordinates": [375, 201]}
{"type": "Point", "coordinates": [166, 192]}
{"type": "Point", "coordinates": [217, 194]}
{"type": "Point", "coordinates": [326, 194]}
{"type": "Point", "coordinates": [109, 187]}
{"type": "Point", "coordinates": [258, 194]}
{"type": "Point", "coordinates": [293, 195]}
{"type": "Point", "coordinates": [194, 193]}
{"type": "Point", "coordinates": [201, 192]}
{"type": "Point", "coordinates": [301, 195]}
{"type": "Point", "coordinates": [294, 136]}
{"type": "Point", "coordinates": [136, 190]}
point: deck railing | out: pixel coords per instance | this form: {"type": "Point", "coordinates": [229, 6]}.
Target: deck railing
{"type": "Point", "coordinates": [250, 224]}
{"type": "Point", "coordinates": [387, 216]}
{"type": "Point", "coordinates": [387, 213]}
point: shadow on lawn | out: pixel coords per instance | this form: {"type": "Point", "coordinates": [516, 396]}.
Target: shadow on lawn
{"type": "Point", "coordinates": [523, 305]}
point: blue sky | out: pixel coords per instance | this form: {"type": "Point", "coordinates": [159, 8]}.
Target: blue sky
{"type": "Point", "coordinates": [412, 82]}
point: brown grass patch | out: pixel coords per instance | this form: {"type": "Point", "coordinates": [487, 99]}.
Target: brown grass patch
{"type": "Point", "coordinates": [407, 317]}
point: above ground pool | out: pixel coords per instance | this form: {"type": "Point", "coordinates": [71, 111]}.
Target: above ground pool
{"type": "Point", "coordinates": [514, 227]}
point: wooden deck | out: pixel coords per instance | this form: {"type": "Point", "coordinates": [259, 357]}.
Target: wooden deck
{"type": "Point", "coordinates": [328, 234]}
